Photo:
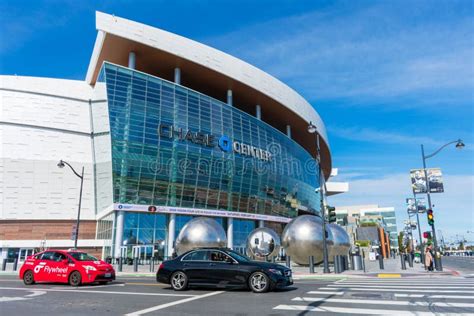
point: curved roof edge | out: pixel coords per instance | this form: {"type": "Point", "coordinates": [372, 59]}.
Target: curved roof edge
{"type": "Point", "coordinates": [206, 56]}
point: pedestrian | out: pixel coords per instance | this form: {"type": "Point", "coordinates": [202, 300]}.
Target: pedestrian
{"type": "Point", "coordinates": [428, 258]}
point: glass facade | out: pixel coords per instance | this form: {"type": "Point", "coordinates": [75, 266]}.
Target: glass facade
{"type": "Point", "coordinates": [185, 170]}
{"type": "Point", "coordinates": [242, 229]}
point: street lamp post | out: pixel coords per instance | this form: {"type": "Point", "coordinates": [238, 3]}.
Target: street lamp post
{"type": "Point", "coordinates": [61, 164]}
{"type": "Point", "coordinates": [459, 145]}
{"type": "Point", "coordinates": [322, 190]}
{"type": "Point", "coordinates": [417, 211]}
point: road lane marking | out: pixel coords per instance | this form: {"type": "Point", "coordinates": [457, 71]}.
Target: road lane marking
{"type": "Point", "coordinates": [464, 297]}
{"type": "Point", "coordinates": [382, 302]}
{"type": "Point", "coordinates": [35, 293]}
{"type": "Point", "coordinates": [89, 286]}
{"type": "Point", "coordinates": [325, 292]}
{"type": "Point", "coordinates": [162, 306]}
{"type": "Point", "coordinates": [21, 298]}
{"type": "Point", "coordinates": [401, 286]}
{"type": "Point", "coordinates": [347, 310]}
{"type": "Point", "coordinates": [147, 284]}
{"type": "Point", "coordinates": [101, 292]}
{"type": "Point", "coordinates": [381, 289]}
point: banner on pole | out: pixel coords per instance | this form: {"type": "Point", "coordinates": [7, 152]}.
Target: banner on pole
{"type": "Point", "coordinates": [419, 183]}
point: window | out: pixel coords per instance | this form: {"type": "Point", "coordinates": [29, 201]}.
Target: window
{"type": "Point", "coordinates": [220, 257]}
{"type": "Point", "coordinates": [81, 256]}
{"type": "Point", "coordinates": [48, 255]}
{"type": "Point", "coordinates": [58, 257]}
{"type": "Point", "coordinates": [197, 256]}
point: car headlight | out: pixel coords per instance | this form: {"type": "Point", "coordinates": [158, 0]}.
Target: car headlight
{"type": "Point", "coordinates": [90, 268]}
{"type": "Point", "coordinates": [275, 271]}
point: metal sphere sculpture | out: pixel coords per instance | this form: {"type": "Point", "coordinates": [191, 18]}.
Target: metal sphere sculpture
{"type": "Point", "coordinates": [200, 232]}
{"type": "Point", "coordinates": [342, 242]}
{"type": "Point", "coordinates": [263, 243]}
{"type": "Point", "coordinates": [303, 237]}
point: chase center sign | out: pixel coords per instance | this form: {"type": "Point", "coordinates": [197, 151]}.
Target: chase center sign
{"type": "Point", "coordinates": [209, 140]}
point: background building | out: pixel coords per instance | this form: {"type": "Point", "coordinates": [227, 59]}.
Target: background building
{"type": "Point", "coordinates": [166, 129]}
{"type": "Point", "coordinates": [355, 216]}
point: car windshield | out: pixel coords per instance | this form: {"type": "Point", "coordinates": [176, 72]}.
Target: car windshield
{"type": "Point", "coordinates": [238, 256]}
{"type": "Point", "coordinates": [82, 256]}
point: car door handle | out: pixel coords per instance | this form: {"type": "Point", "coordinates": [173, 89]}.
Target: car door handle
{"type": "Point", "coordinates": [212, 264]}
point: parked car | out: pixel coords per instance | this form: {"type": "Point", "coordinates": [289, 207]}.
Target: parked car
{"type": "Point", "coordinates": [222, 268]}
{"type": "Point", "coordinates": [73, 267]}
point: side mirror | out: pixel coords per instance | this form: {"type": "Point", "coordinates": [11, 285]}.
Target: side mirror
{"type": "Point", "coordinates": [65, 261]}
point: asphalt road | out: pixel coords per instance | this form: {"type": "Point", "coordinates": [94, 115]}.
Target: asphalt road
{"type": "Point", "coordinates": [143, 296]}
{"type": "Point", "coordinates": [464, 265]}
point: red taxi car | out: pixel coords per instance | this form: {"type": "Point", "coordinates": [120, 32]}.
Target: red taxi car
{"type": "Point", "coordinates": [73, 267]}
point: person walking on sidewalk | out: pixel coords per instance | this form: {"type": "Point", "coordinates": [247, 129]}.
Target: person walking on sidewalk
{"type": "Point", "coordinates": [428, 258]}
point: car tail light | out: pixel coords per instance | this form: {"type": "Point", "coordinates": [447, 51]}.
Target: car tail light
{"type": "Point", "coordinates": [161, 266]}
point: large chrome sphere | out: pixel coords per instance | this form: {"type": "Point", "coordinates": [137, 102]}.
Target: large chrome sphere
{"type": "Point", "coordinates": [263, 242]}
{"type": "Point", "coordinates": [303, 237]}
{"type": "Point", "coordinates": [200, 232]}
{"type": "Point", "coordinates": [342, 242]}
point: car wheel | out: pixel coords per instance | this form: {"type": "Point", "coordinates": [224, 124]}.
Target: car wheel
{"type": "Point", "coordinates": [28, 278]}
{"type": "Point", "coordinates": [75, 278]}
{"type": "Point", "coordinates": [179, 281]}
{"type": "Point", "coordinates": [259, 282]}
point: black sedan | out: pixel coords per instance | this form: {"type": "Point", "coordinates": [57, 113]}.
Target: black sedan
{"type": "Point", "coordinates": [222, 268]}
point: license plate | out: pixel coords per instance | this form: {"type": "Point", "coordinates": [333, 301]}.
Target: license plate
{"type": "Point", "coordinates": [108, 275]}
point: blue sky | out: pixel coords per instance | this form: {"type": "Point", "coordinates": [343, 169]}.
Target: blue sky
{"type": "Point", "coordinates": [385, 76]}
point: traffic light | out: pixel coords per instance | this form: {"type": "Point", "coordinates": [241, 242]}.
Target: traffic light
{"type": "Point", "coordinates": [427, 235]}
{"type": "Point", "coordinates": [331, 214]}
{"type": "Point", "coordinates": [429, 213]}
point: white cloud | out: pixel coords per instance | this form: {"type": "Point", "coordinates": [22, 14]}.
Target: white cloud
{"type": "Point", "coordinates": [453, 209]}
{"type": "Point", "coordinates": [377, 51]}
{"type": "Point", "coordinates": [380, 136]}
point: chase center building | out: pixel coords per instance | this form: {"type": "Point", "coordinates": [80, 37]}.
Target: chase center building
{"type": "Point", "coordinates": [166, 129]}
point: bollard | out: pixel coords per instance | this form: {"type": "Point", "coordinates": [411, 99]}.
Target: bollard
{"type": "Point", "coordinates": [288, 261]}
{"type": "Point", "coordinates": [120, 264]}
{"type": "Point", "coordinates": [402, 260]}
{"type": "Point", "coordinates": [4, 264]}
{"type": "Point", "coordinates": [381, 262]}
{"type": "Point", "coordinates": [337, 267]}
{"type": "Point", "coordinates": [341, 263]}
{"type": "Point", "coordinates": [311, 264]}
{"type": "Point", "coordinates": [135, 265]}
{"type": "Point", "coordinates": [15, 264]}
{"type": "Point", "coordinates": [273, 259]}
{"type": "Point", "coordinates": [152, 264]}
{"type": "Point", "coordinates": [410, 260]}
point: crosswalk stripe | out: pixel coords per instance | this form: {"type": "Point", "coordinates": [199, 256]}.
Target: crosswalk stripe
{"type": "Point", "coordinates": [407, 281]}
{"type": "Point", "coordinates": [383, 302]}
{"type": "Point", "coordinates": [401, 286]}
{"type": "Point", "coordinates": [464, 297]}
{"type": "Point", "coordinates": [391, 290]}
{"type": "Point", "coordinates": [353, 310]}
{"type": "Point", "coordinates": [325, 292]}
